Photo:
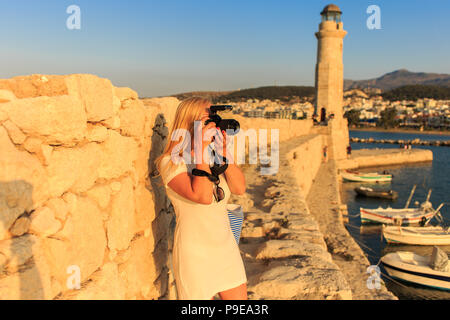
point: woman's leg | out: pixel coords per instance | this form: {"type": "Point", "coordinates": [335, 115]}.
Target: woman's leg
{"type": "Point", "coordinates": [238, 293]}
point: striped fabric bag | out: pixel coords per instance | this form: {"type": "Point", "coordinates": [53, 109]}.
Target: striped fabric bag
{"type": "Point", "coordinates": [236, 216]}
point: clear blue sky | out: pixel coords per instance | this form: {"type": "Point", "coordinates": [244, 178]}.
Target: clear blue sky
{"type": "Point", "coordinates": [161, 47]}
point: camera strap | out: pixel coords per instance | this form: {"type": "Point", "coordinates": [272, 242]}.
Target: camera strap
{"type": "Point", "coordinates": [216, 170]}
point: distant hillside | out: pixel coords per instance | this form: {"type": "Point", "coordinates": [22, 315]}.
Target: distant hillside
{"type": "Point", "coordinates": [283, 93]}
{"type": "Point", "coordinates": [414, 92]}
{"type": "Point", "coordinates": [400, 78]}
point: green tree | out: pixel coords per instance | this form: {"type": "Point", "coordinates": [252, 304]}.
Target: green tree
{"type": "Point", "coordinates": [387, 118]}
{"type": "Point", "coordinates": [352, 117]}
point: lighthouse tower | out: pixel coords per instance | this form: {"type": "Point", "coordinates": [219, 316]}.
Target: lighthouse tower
{"type": "Point", "coordinates": [330, 79]}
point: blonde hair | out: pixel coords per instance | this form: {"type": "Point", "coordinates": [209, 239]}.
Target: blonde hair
{"type": "Point", "coordinates": [188, 111]}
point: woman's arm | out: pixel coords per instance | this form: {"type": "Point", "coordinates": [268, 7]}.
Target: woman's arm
{"type": "Point", "coordinates": [235, 179]}
{"type": "Point", "coordinates": [197, 189]}
{"type": "Point", "coordinates": [234, 176]}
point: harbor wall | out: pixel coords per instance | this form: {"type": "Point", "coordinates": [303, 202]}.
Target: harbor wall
{"type": "Point", "coordinates": [366, 158]}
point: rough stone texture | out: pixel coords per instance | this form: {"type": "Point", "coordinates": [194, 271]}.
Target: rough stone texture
{"type": "Point", "coordinates": [95, 93]}
{"type": "Point", "coordinates": [73, 168]}
{"type": "Point", "coordinates": [124, 93]}
{"type": "Point", "coordinates": [43, 222]}
{"type": "Point", "coordinates": [81, 242]}
{"type": "Point", "coordinates": [75, 191]}
{"type": "Point", "coordinates": [118, 155]}
{"type": "Point", "coordinates": [56, 120]}
{"type": "Point", "coordinates": [132, 118]}
{"type": "Point", "coordinates": [121, 225]}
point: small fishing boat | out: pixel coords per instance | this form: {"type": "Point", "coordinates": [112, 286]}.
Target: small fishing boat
{"type": "Point", "coordinates": [373, 193]}
{"type": "Point", "coordinates": [403, 217]}
{"type": "Point", "coordinates": [411, 267]}
{"type": "Point", "coordinates": [423, 236]}
{"type": "Point", "coordinates": [355, 176]}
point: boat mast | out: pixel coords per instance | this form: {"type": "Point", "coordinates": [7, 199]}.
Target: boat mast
{"type": "Point", "coordinates": [428, 196]}
{"type": "Point", "coordinates": [410, 196]}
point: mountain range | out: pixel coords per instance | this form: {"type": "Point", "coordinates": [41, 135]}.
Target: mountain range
{"type": "Point", "coordinates": [400, 78]}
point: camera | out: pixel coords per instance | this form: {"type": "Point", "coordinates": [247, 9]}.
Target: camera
{"type": "Point", "coordinates": [223, 124]}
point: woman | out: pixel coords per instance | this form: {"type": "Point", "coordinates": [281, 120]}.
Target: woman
{"type": "Point", "coordinates": [206, 257]}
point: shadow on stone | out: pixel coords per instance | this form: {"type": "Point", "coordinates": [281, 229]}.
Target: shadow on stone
{"type": "Point", "coordinates": [164, 224]}
{"type": "Point", "coordinates": [19, 274]}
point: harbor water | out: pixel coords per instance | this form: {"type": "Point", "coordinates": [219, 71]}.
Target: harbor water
{"type": "Point", "coordinates": [434, 176]}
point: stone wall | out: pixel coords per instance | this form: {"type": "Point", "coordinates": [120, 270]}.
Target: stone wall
{"type": "Point", "coordinates": [75, 194]}
{"type": "Point", "coordinates": [306, 159]}
{"type": "Point", "coordinates": [79, 195]}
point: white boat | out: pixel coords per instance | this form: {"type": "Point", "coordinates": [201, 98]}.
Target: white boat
{"type": "Point", "coordinates": [404, 216]}
{"type": "Point", "coordinates": [401, 217]}
{"type": "Point", "coordinates": [424, 236]}
{"type": "Point", "coordinates": [355, 176]}
{"type": "Point", "coordinates": [411, 267]}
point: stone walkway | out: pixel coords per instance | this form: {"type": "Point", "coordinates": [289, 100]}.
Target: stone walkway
{"type": "Point", "coordinates": [323, 202]}
{"type": "Point", "coordinates": [284, 251]}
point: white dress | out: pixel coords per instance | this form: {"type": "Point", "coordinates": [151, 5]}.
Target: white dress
{"type": "Point", "coordinates": [206, 258]}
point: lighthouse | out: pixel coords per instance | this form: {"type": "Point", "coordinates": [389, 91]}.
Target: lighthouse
{"type": "Point", "coordinates": [329, 80]}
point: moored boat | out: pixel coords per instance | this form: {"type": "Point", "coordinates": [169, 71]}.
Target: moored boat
{"type": "Point", "coordinates": [425, 236]}
{"type": "Point", "coordinates": [355, 176]}
{"type": "Point", "coordinates": [400, 217]}
{"type": "Point", "coordinates": [403, 217]}
{"type": "Point", "coordinates": [373, 193]}
{"type": "Point", "coordinates": [414, 268]}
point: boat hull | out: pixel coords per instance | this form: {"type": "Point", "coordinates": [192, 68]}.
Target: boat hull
{"type": "Point", "coordinates": [380, 216]}
{"type": "Point", "coordinates": [365, 177]}
{"type": "Point", "coordinates": [426, 236]}
{"type": "Point", "coordinates": [418, 272]}
{"type": "Point", "coordinates": [377, 194]}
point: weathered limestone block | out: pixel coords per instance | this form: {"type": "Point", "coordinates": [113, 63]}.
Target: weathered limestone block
{"type": "Point", "coordinates": [43, 222]}
{"type": "Point", "coordinates": [82, 243]}
{"type": "Point", "coordinates": [124, 93]}
{"type": "Point", "coordinates": [121, 225]}
{"type": "Point", "coordinates": [292, 283]}
{"type": "Point", "coordinates": [74, 168]}
{"type": "Point", "coordinates": [142, 159]}
{"type": "Point", "coordinates": [101, 194]}
{"type": "Point", "coordinates": [21, 226]}
{"type": "Point", "coordinates": [95, 93]}
{"type": "Point", "coordinates": [29, 276]}
{"type": "Point", "coordinates": [97, 133]}
{"type": "Point", "coordinates": [132, 118]}
{"type": "Point", "coordinates": [14, 132]}
{"type": "Point", "coordinates": [145, 208]}
{"type": "Point", "coordinates": [59, 207]}
{"type": "Point", "coordinates": [6, 95]}
{"type": "Point", "coordinates": [112, 123]}
{"type": "Point", "coordinates": [276, 249]}
{"type": "Point", "coordinates": [56, 120]}
{"type": "Point", "coordinates": [140, 271]}
{"type": "Point", "coordinates": [167, 106]}
{"type": "Point", "coordinates": [35, 85]}
{"type": "Point", "coordinates": [118, 154]}
{"type": "Point", "coordinates": [32, 145]}
{"type": "Point", "coordinates": [23, 184]}
{"type": "Point", "coordinates": [103, 284]}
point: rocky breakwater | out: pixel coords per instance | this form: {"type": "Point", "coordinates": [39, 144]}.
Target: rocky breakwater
{"type": "Point", "coordinates": [79, 216]}
{"type": "Point", "coordinates": [417, 141]}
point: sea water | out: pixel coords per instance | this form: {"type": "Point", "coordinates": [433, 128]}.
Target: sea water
{"type": "Point", "coordinates": [435, 176]}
